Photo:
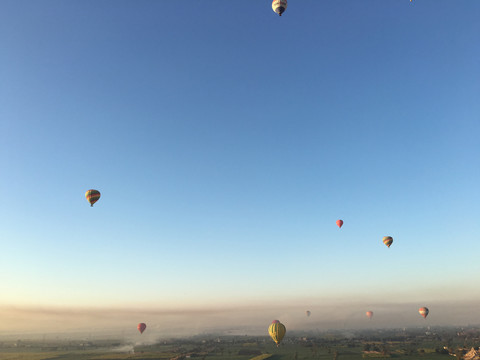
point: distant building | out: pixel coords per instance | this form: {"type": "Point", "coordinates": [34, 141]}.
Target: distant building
{"type": "Point", "coordinates": [472, 355]}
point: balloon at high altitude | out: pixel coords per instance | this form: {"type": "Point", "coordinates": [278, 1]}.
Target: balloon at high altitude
{"type": "Point", "coordinates": [277, 331]}
{"type": "Point", "coordinates": [339, 223]}
{"type": "Point", "coordinates": [279, 6]}
{"type": "Point", "coordinates": [369, 314]}
{"type": "Point", "coordinates": [423, 311]}
{"type": "Point", "coordinates": [387, 240]}
{"type": "Point", "coordinates": [141, 327]}
{"type": "Point", "coordinates": [308, 313]}
{"type": "Point", "coordinates": [92, 196]}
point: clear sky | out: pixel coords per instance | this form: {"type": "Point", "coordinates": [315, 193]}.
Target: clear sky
{"type": "Point", "coordinates": [226, 141]}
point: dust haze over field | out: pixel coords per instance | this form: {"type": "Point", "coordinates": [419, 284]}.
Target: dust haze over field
{"type": "Point", "coordinates": [252, 320]}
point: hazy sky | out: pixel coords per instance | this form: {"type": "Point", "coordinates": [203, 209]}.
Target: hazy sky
{"type": "Point", "coordinates": [226, 141]}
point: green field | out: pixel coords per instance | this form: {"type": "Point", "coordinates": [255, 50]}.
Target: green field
{"type": "Point", "coordinates": [380, 345]}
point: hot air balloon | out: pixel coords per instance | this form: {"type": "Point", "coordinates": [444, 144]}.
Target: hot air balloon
{"type": "Point", "coordinates": [369, 314]}
{"type": "Point", "coordinates": [423, 311]}
{"type": "Point", "coordinates": [277, 331]}
{"type": "Point", "coordinates": [387, 240]}
{"type": "Point", "coordinates": [92, 196]}
{"type": "Point", "coordinates": [339, 223]}
{"type": "Point", "coordinates": [279, 6]}
{"type": "Point", "coordinates": [141, 327]}
{"type": "Point", "coordinates": [308, 313]}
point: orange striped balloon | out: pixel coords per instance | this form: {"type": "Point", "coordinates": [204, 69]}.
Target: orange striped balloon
{"type": "Point", "coordinates": [387, 240]}
{"type": "Point", "coordinates": [424, 312]}
{"type": "Point", "coordinates": [92, 196]}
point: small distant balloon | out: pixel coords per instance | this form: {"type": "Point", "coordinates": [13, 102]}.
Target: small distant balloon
{"type": "Point", "coordinates": [369, 314]}
{"type": "Point", "coordinates": [339, 223]}
{"type": "Point", "coordinates": [423, 311]}
{"type": "Point", "coordinates": [308, 313]}
{"type": "Point", "coordinates": [387, 240]}
{"type": "Point", "coordinates": [92, 196]}
{"type": "Point", "coordinates": [141, 327]}
{"type": "Point", "coordinates": [277, 331]}
{"type": "Point", "coordinates": [279, 6]}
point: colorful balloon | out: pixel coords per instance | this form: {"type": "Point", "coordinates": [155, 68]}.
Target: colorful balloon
{"type": "Point", "coordinates": [279, 6]}
{"type": "Point", "coordinates": [339, 223]}
{"type": "Point", "coordinates": [387, 240]}
{"type": "Point", "coordinates": [308, 313]}
{"type": "Point", "coordinates": [277, 331]}
{"type": "Point", "coordinates": [424, 312]}
{"type": "Point", "coordinates": [141, 327]}
{"type": "Point", "coordinates": [92, 196]}
{"type": "Point", "coordinates": [369, 314]}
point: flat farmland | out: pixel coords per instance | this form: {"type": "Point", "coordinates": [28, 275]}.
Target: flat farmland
{"type": "Point", "coordinates": [382, 345]}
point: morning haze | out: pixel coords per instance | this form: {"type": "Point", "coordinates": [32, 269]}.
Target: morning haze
{"type": "Point", "coordinates": [237, 320]}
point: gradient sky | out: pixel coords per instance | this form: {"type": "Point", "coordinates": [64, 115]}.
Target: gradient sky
{"type": "Point", "coordinates": [227, 141]}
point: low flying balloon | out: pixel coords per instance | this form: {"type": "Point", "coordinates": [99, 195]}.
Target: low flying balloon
{"type": "Point", "coordinates": [369, 314]}
{"type": "Point", "coordinates": [279, 6]}
{"type": "Point", "coordinates": [308, 313]}
{"type": "Point", "coordinates": [141, 327]}
{"type": "Point", "coordinates": [387, 240]}
{"type": "Point", "coordinates": [339, 223]}
{"type": "Point", "coordinates": [92, 196]}
{"type": "Point", "coordinates": [277, 331]}
{"type": "Point", "coordinates": [423, 311]}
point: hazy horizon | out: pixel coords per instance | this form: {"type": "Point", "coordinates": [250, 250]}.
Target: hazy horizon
{"type": "Point", "coordinates": [249, 320]}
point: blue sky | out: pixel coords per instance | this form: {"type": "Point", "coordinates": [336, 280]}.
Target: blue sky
{"type": "Point", "coordinates": [226, 141]}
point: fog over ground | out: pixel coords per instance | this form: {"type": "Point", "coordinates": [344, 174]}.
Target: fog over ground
{"type": "Point", "coordinates": [248, 320]}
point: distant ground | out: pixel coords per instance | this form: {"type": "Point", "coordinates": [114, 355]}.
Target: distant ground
{"type": "Point", "coordinates": [379, 344]}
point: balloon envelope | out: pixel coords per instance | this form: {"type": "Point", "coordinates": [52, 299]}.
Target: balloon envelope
{"type": "Point", "coordinates": [141, 327]}
{"type": "Point", "coordinates": [279, 6]}
{"type": "Point", "coordinates": [92, 196]}
{"type": "Point", "coordinates": [339, 223]}
{"type": "Point", "coordinates": [308, 313]}
{"type": "Point", "coordinates": [277, 331]}
{"type": "Point", "coordinates": [423, 311]}
{"type": "Point", "coordinates": [387, 240]}
{"type": "Point", "coordinates": [369, 314]}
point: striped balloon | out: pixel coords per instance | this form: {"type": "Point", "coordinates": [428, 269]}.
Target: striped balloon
{"type": "Point", "coordinates": [387, 240]}
{"type": "Point", "coordinates": [92, 196]}
{"type": "Point", "coordinates": [424, 312]}
{"type": "Point", "coordinates": [277, 331]}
